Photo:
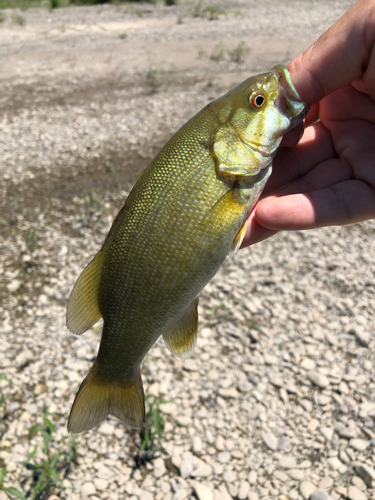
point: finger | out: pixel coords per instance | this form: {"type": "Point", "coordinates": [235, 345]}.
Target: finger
{"type": "Point", "coordinates": [290, 164]}
{"type": "Point", "coordinates": [344, 203]}
{"type": "Point", "coordinates": [327, 173]}
{"type": "Point", "coordinates": [292, 138]}
{"type": "Point", "coordinates": [339, 57]}
{"type": "Point", "coordinates": [255, 232]}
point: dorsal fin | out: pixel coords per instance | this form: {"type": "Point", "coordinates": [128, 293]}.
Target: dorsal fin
{"type": "Point", "coordinates": [83, 307]}
{"type": "Point", "coordinates": [182, 336]}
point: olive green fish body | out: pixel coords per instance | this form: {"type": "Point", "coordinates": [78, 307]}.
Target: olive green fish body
{"type": "Point", "coordinates": [179, 222]}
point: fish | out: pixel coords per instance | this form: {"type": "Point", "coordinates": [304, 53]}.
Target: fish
{"type": "Point", "coordinates": [186, 212]}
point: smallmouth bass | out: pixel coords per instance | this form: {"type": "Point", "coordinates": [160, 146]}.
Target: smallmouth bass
{"type": "Point", "coordinates": [185, 213]}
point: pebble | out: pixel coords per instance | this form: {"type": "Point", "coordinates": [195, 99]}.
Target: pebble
{"type": "Point", "coordinates": [202, 492]}
{"type": "Point", "coordinates": [362, 337]}
{"type": "Point", "coordinates": [270, 440]}
{"type": "Point", "coordinates": [359, 444]}
{"type": "Point", "coordinates": [355, 494]}
{"type": "Point", "coordinates": [320, 495]}
{"type": "Point", "coordinates": [367, 473]}
{"type": "Point", "coordinates": [252, 495]}
{"type": "Point", "coordinates": [243, 490]}
{"type": "Point", "coordinates": [87, 489]}
{"type": "Point", "coordinates": [287, 462]}
{"type": "Point", "coordinates": [306, 488]}
{"type": "Point", "coordinates": [187, 466]}
{"type": "Point", "coordinates": [100, 484]}
{"type": "Point", "coordinates": [197, 444]}
{"type": "Point", "coordinates": [318, 379]}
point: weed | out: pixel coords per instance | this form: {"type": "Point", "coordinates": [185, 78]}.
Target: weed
{"type": "Point", "coordinates": [31, 238]}
{"type": "Point", "coordinates": [2, 17]}
{"type": "Point", "coordinates": [123, 35]}
{"type": "Point", "coordinates": [197, 10]}
{"type": "Point", "coordinates": [93, 202]}
{"type": "Point", "coordinates": [18, 19]}
{"type": "Point", "coordinates": [139, 13]}
{"type": "Point", "coordinates": [218, 54]}
{"type": "Point", "coordinates": [212, 13]}
{"type": "Point", "coordinates": [58, 458]}
{"type": "Point", "coordinates": [240, 52]}
{"type": "Point", "coordinates": [148, 439]}
{"type": "Point", "coordinates": [53, 4]}
{"type": "Point", "coordinates": [202, 54]}
{"type": "Point", "coordinates": [170, 2]}
{"type": "Point", "coordinates": [156, 78]}
{"type": "Point", "coordinates": [154, 425]}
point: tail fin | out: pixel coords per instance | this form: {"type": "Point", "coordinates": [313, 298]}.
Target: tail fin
{"type": "Point", "coordinates": [97, 398]}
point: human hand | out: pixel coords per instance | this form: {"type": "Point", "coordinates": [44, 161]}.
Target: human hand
{"type": "Point", "coordinates": [328, 178]}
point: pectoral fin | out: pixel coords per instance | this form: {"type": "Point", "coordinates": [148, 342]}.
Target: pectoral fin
{"type": "Point", "coordinates": [182, 336]}
{"type": "Point", "coordinates": [83, 307]}
{"type": "Point", "coordinates": [238, 239]}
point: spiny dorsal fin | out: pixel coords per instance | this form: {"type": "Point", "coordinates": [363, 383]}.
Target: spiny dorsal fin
{"type": "Point", "coordinates": [182, 337]}
{"type": "Point", "coordinates": [98, 398]}
{"type": "Point", "coordinates": [238, 240]}
{"type": "Point", "coordinates": [83, 307]}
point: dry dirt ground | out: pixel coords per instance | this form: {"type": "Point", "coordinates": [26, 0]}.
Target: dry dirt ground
{"type": "Point", "coordinates": [278, 400]}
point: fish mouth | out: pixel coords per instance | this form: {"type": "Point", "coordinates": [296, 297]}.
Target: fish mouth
{"type": "Point", "coordinates": [289, 100]}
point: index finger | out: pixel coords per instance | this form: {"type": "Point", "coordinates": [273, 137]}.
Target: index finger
{"type": "Point", "coordinates": [342, 55]}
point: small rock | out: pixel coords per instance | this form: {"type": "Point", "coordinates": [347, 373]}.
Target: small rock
{"type": "Point", "coordinates": [107, 429]}
{"type": "Point", "coordinates": [359, 444]}
{"type": "Point", "coordinates": [362, 337]}
{"type": "Point", "coordinates": [40, 389]}
{"type": "Point", "coordinates": [203, 470]}
{"type": "Point", "coordinates": [159, 467]}
{"type": "Point", "coordinates": [270, 440]}
{"type": "Point", "coordinates": [24, 358]}
{"type": "Point", "coordinates": [355, 494]}
{"type": "Point", "coordinates": [252, 495]}
{"type": "Point", "coordinates": [100, 484]}
{"type": "Point", "coordinates": [197, 444]}
{"type": "Point", "coordinates": [326, 483]}
{"type": "Point", "coordinates": [243, 490]}
{"type": "Point", "coordinates": [168, 408]}
{"type": "Point", "coordinates": [14, 285]}
{"type": "Point", "coordinates": [224, 492]}
{"type": "Point", "coordinates": [327, 432]}
{"type": "Point", "coordinates": [347, 432]}
{"type": "Point", "coordinates": [202, 492]}
{"type": "Point", "coordinates": [87, 489]}
{"type": "Point", "coordinates": [367, 473]}
{"type": "Point", "coordinates": [334, 463]}
{"type": "Point", "coordinates": [306, 488]}
{"type": "Point", "coordinates": [145, 495]}
{"type": "Point", "coordinates": [187, 466]}
{"type": "Point", "coordinates": [287, 462]}
{"type": "Point", "coordinates": [229, 476]}
{"type": "Point", "coordinates": [296, 474]}
{"type": "Point", "coordinates": [318, 379]}
{"type": "Point", "coordinates": [320, 495]}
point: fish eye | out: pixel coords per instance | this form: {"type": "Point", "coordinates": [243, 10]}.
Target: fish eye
{"type": "Point", "coordinates": [257, 100]}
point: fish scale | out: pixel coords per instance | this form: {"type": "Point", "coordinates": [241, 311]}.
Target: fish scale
{"type": "Point", "coordinates": [185, 213]}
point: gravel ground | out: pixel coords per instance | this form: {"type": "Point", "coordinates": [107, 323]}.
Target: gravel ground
{"type": "Point", "coordinates": [278, 400]}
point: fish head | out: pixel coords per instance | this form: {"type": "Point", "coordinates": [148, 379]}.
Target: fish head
{"type": "Point", "coordinates": [262, 109]}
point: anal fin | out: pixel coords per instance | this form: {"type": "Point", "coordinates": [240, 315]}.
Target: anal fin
{"type": "Point", "coordinates": [83, 307]}
{"type": "Point", "coordinates": [238, 240]}
{"type": "Point", "coordinates": [182, 336]}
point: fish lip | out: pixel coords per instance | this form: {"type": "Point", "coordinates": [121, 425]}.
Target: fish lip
{"type": "Point", "coordinates": [289, 99]}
